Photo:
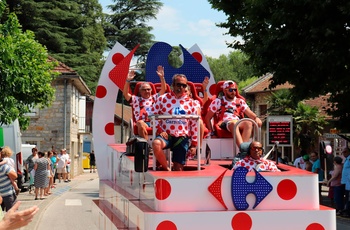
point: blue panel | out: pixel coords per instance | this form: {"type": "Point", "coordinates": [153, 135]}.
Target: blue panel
{"type": "Point", "coordinates": [87, 146]}
{"type": "Point", "coordinates": [158, 55]}
{"type": "Point", "coordinates": [240, 188]}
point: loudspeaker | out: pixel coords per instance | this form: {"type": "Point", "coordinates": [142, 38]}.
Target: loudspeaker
{"type": "Point", "coordinates": [141, 155]}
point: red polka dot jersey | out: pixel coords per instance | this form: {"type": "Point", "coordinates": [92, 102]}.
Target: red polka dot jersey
{"type": "Point", "coordinates": [260, 164]}
{"type": "Point", "coordinates": [139, 102]}
{"type": "Point", "coordinates": [215, 107]}
{"type": "Point", "coordinates": [168, 104]}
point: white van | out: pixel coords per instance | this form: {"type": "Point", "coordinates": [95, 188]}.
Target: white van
{"type": "Point", "coordinates": [10, 135]}
{"type": "Point", "coordinates": [26, 150]}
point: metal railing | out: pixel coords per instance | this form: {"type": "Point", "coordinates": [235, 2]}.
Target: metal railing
{"type": "Point", "coordinates": [162, 117]}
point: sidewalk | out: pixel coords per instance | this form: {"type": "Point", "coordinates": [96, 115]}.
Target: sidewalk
{"type": "Point", "coordinates": [62, 189]}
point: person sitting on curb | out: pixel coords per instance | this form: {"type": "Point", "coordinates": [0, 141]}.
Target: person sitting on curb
{"type": "Point", "coordinates": [231, 109]}
{"type": "Point", "coordinates": [254, 160]}
{"type": "Point", "coordinates": [141, 103]}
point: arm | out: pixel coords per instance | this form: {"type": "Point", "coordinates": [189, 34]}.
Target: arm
{"type": "Point", "coordinates": [12, 175]}
{"type": "Point", "coordinates": [335, 174]}
{"type": "Point", "coordinates": [253, 116]}
{"type": "Point", "coordinates": [14, 219]}
{"type": "Point", "coordinates": [160, 72]}
{"type": "Point", "coordinates": [205, 91]}
{"type": "Point", "coordinates": [207, 120]}
{"type": "Point", "coordinates": [126, 93]}
{"type": "Point", "coordinates": [4, 161]}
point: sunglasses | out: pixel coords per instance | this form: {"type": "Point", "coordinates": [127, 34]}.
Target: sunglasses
{"type": "Point", "coordinates": [181, 85]}
{"type": "Point", "coordinates": [257, 148]}
{"type": "Point", "coordinates": [146, 89]}
{"type": "Point", "coordinates": [231, 90]}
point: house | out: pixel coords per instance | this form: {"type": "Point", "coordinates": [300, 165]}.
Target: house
{"type": "Point", "coordinates": [64, 123]}
{"type": "Point", "coordinates": [258, 95]}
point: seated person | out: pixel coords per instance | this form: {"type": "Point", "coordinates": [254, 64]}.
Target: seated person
{"type": "Point", "coordinates": [144, 101]}
{"type": "Point", "coordinates": [175, 133]}
{"type": "Point", "coordinates": [198, 105]}
{"type": "Point", "coordinates": [234, 107]}
{"type": "Point", "coordinates": [254, 159]}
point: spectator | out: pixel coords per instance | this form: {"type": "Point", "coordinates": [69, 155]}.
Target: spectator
{"type": "Point", "coordinates": [29, 165]}
{"type": "Point", "coordinates": [335, 183]}
{"type": "Point", "coordinates": [254, 159]}
{"type": "Point", "coordinates": [14, 219]}
{"type": "Point", "coordinates": [41, 180]}
{"type": "Point", "coordinates": [92, 161]}
{"type": "Point", "coordinates": [231, 109]}
{"type": "Point", "coordinates": [141, 103]}
{"type": "Point", "coordinates": [61, 165]}
{"type": "Point", "coordinates": [6, 153]}
{"type": "Point", "coordinates": [68, 168]}
{"type": "Point", "coordinates": [175, 133]}
{"type": "Point", "coordinates": [345, 179]}
{"type": "Point", "coordinates": [7, 192]}
{"type": "Point", "coordinates": [48, 188]}
{"type": "Point", "coordinates": [316, 168]}
{"type": "Point", "coordinates": [54, 161]}
{"type": "Point", "coordinates": [308, 164]}
{"type": "Point", "coordinates": [300, 162]}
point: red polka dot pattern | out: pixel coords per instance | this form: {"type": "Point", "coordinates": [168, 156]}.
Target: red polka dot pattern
{"type": "Point", "coordinates": [166, 225]}
{"type": "Point", "coordinates": [109, 128]}
{"type": "Point", "coordinates": [286, 189]}
{"type": "Point", "coordinates": [117, 58]}
{"type": "Point", "coordinates": [241, 221]}
{"type": "Point", "coordinates": [168, 104]}
{"type": "Point", "coordinates": [162, 189]}
{"type": "Point", "coordinates": [315, 226]}
{"type": "Point", "coordinates": [216, 105]}
{"type": "Point", "coordinates": [197, 56]}
{"type": "Point", "coordinates": [215, 189]}
{"type": "Point", "coordinates": [101, 91]}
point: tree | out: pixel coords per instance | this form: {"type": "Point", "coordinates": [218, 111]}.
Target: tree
{"type": "Point", "coordinates": [234, 67]}
{"type": "Point", "coordinates": [308, 122]}
{"type": "Point", "coordinates": [70, 29]}
{"type": "Point", "coordinates": [127, 24]}
{"type": "Point", "coordinates": [26, 73]}
{"type": "Point", "coordinates": [297, 41]}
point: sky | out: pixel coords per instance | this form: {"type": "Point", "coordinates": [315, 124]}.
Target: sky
{"type": "Point", "coordinates": [189, 22]}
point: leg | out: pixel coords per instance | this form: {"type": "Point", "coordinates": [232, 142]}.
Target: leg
{"type": "Point", "coordinates": [36, 193]}
{"type": "Point", "coordinates": [142, 129]}
{"type": "Point", "coordinates": [179, 153]}
{"type": "Point", "coordinates": [158, 145]}
{"type": "Point", "coordinates": [230, 127]}
{"type": "Point", "coordinates": [246, 129]}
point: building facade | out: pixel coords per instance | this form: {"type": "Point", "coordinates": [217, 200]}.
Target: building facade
{"type": "Point", "coordinates": [64, 123]}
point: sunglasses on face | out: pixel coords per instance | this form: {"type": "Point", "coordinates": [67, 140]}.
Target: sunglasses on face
{"type": "Point", "coordinates": [231, 90]}
{"type": "Point", "coordinates": [181, 85]}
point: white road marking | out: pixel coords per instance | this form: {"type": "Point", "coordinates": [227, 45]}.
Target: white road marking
{"type": "Point", "coordinates": [73, 202]}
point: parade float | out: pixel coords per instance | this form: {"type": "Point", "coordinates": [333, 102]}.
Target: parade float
{"type": "Point", "coordinates": [207, 194]}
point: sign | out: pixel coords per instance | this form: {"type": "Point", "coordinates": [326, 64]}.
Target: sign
{"type": "Point", "coordinates": [280, 129]}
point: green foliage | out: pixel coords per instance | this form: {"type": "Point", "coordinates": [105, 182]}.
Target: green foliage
{"type": "Point", "coordinates": [26, 74]}
{"type": "Point", "coordinates": [307, 119]}
{"type": "Point", "coordinates": [303, 42]}
{"type": "Point", "coordinates": [234, 67]}
{"type": "Point", "coordinates": [70, 29]}
{"type": "Point", "coordinates": [127, 24]}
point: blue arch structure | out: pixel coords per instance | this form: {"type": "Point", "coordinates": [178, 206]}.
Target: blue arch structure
{"type": "Point", "coordinates": [158, 55]}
